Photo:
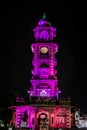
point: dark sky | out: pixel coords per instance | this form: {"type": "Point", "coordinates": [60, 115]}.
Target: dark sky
{"type": "Point", "coordinates": [17, 22]}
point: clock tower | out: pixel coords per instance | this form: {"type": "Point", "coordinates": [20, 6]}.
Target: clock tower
{"type": "Point", "coordinates": [44, 110]}
{"type": "Point", "coordinates": [44, 82]}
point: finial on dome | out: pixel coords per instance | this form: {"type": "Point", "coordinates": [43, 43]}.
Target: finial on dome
{"type": "Point", "coordinates": [44, 16]}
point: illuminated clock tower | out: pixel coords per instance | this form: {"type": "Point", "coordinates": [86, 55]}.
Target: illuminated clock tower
{"type": "Point", "coordinates": [44, 109]}
{"type": "Point", "coordinates": [44, 80]}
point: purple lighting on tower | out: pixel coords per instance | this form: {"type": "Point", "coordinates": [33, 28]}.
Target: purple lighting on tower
{"type": "Point", "coordinates": [44, 80]}
{"type": "Point", "coordinates": [44, 109]}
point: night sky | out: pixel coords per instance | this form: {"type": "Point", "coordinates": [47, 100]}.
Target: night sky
{"type": "Point", "coordinates": [17, 23]}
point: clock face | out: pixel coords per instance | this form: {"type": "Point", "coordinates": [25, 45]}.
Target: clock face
{"type": "Point", "coordinates": [44, 50]}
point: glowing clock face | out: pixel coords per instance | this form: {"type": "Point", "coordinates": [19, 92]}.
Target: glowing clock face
{"type": "Point", "coordinates": [44, 50]}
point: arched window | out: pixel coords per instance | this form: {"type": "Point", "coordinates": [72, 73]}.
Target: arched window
{"type": "Point", "coordinates": [44, 65]}
{"type": "Point", "coordinates": [44, 35]}
{"type": "Point", "coordinates": [43, 93]}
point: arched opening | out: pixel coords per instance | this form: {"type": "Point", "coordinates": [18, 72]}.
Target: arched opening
{"type": "Point", "coordinates": [42, 119]}
{"type": "Point", "coordinates": [44, 65]}
{"type": "Point", "coordinates": [43, 93]}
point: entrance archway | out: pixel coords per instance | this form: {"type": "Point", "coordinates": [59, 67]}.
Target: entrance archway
{"type": "Point", "coordinates": [43, 119]}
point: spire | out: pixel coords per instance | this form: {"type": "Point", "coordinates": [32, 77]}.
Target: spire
{"type": "Point", "coordinates": [44, 16]}
{"type": "Point", "coordinates": [43, 21]}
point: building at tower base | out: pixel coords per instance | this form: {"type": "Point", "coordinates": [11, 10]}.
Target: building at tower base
{"type": "Point", "coordinates": [43, 113]}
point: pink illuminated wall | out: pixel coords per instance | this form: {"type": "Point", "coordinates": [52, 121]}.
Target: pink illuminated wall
{"type": "Point", "coordinates": [25, 114]}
